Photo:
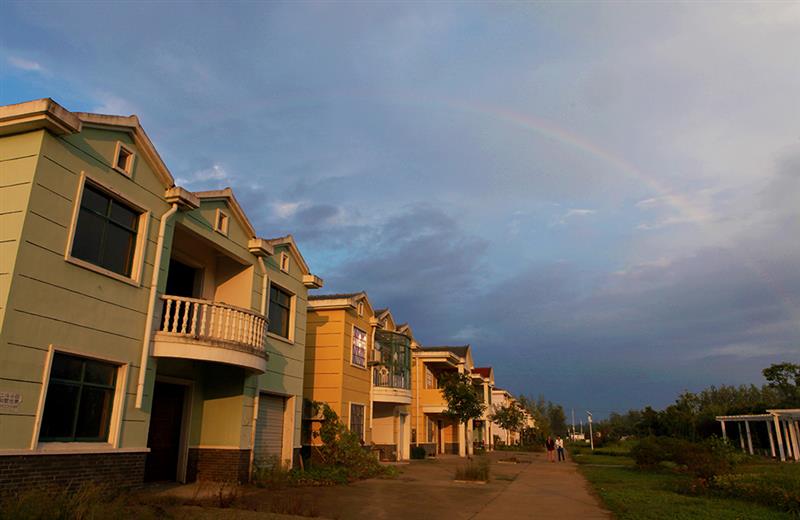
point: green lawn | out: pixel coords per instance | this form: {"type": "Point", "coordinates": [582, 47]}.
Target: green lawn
{"type": "Point", "coordinates": [633, 494]}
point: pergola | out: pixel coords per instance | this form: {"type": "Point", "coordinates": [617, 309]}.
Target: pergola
{"type": "Point", "coordinates": [782, 425]}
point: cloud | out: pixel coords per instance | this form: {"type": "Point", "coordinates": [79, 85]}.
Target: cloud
{"type": "Point", "coordinates": [113, 105]}
{"type": "Point", "coordinates": [574, 213]}
{"type": "Point", "coordinates": [215, 175]}
{"type": "Point", "coordinates": [26, 65]}
{"type": "Point", "coordinates": [285, 210]}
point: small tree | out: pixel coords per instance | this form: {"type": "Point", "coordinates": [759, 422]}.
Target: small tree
{"type": "Point", "coordinates": [784, 377]}
{"type": "Point", "coordinates": [463, 401]}
{"type": "Point", "coordinates": [510, 417]}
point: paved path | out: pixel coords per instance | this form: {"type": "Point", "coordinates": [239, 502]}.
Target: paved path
{"type": "Point", "coordinates": [425, 490]}
{"type": "Point", "coordinates": [545, 490]}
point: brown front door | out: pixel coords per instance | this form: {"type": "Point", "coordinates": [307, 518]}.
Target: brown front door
{"type": "Point", "coordinates": [164, 438]}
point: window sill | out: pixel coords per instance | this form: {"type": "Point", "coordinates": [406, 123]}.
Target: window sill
{"type": "Point", "coordinates": [100, 270]}
{"type": "Point", "coordinates": [280, 338]}
{"type": "Point", "coordinates": [72, 448]}
{"type": "Point", "coordinates": [358, 366]}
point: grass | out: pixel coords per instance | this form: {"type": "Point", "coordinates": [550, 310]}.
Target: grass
{"type": "Point", "coordinates": [634, 494]}
{"type": "Point", "coordinates": [474, 471]}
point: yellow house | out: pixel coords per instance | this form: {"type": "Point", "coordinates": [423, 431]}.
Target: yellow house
{"type": "Point", "coordinates": [134, 341]}
{"type": "Point", "coordinates": [360, 365]}
{"type": "Point", "coordinates": [483, 379]}
{"type": "Point", "coordinates": [434, 431]}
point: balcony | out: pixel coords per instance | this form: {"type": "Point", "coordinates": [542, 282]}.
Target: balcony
{"type": "Point", "coordinates": [211, 331]}
{"type": "Point", "coordinates": [432, 400]}
{"type": "Point", "coordinates": [391, 370]}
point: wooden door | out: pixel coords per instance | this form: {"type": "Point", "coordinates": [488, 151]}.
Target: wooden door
{"type": "Point", "coordinates": [164, 437]}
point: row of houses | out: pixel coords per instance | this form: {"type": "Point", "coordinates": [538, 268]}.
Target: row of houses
{"type": "Point", "coordinates": [150, 333]}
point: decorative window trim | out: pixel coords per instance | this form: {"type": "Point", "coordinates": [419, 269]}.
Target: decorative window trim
{"type": "Point", "coordinates": [360, 308]}
{"type": "Point", "coordinates": [222, 222]}
{"type": "Point", "coordinates": [127, 171]}
{"type": "Point", "coordinates": [141, 233]}
{"type": "Point", "coordinates": [292, 312]}
{"type": "Point", "coordinates": [352, 344]}
{"type": "Point", "coordinates": [364, 419]}
{"type": "Point", "coordinates": [284, 262]}
{"type": "Point", "coordinates": [117, 405]}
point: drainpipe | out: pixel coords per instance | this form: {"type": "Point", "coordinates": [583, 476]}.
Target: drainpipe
{"type": "Point", "coordinates": [151, 305]}
{"type": "Point", "coordinates": [264, 281]}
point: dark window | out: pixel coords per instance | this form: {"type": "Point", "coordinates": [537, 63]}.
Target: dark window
{"type": "Point", "coordinates": [124, 159]}
{"type": "Point", "coordinates": [357, 420]}
{"type": "Point", "coordinates": [106, 232]}
{"type": "Point", "coordinates": [80, 397]}
{"type": "Point", "coordinates": [280, 307]}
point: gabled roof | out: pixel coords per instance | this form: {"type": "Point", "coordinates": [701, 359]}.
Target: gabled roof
{"type": "Point", "coordinates": [337, 300]}
{"type": "Point", "coordinates": [46, 113]}
{"type": "Point", "coordinates": [227, 196]}
{"type": "Point", "coordinates": [483, 371]}
{"type": "Point", "coordinates": [460, 351]}
{"type": "Point", "coordinates": [379, 312]}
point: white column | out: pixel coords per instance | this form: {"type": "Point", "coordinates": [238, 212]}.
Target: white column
{"type": "Point", "coordinates": [470, 439]}
{"type": "Point", "coordinates": [462, 449]}
{"type": "Point", "coordinates": [741, 435]}
{"type": "Point", "coordinates": [724, 434]}
{"type": "Point", "coordinates": [788, 439]}
{"type": "Point", "coordinates": [793, 434]}
{"type": "Point", "coordinates": [769, 435]}
{"type": "Point", "coordinates": [776, 422]}
{"type": "Point", "coordinates": [749, 438]}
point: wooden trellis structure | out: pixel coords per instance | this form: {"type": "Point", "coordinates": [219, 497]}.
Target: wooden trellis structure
{"type": "Point", "coordinates": [782, 426]}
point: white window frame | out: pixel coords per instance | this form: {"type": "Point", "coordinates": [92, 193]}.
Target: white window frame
{"type": "Point", "coordinates": [360, 308]}
{"type": "Point", "coordinates": [284, 262]}
{"type": "Point", "coordinates": [352, 345]}
{"type": "Point", "coordinates": [117, 406]}
{"type": "Point", "coordinates": [222, 222]}
{"type": "Point", "coordinates": [364, 417]}
{"type": "Point", "coordinates": [141, 233]}
{"type": "Point", "coordinates": [292, 312]}
{"type": "Point", "coordinates": [128, 170]}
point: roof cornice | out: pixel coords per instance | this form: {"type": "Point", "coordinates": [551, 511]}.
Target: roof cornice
{"type": "Point", "coordinates": [35, 115]}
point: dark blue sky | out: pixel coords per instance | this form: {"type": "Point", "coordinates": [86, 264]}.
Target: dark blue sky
{"type": "Point", "coordinates": [603, 199]}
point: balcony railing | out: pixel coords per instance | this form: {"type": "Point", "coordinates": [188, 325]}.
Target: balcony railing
{"type": "Point", "coordinates": [214, 322]}
{"type": "Point", "coordinates": [384, 378]}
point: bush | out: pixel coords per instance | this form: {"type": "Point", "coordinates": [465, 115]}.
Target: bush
{"type": "Point", "coordinates": [704, 460]}
{"type": "Point", "coordinates": [418, 452]}
{"type": "Point", "coordinates": [777, 489]}
{"type": "Point", "coordinates": [86, 502]}
{"type": "Point", "coordinates": [474, 471]}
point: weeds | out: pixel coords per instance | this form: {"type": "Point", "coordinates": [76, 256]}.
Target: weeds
{"type": "Point", "coordinates": [473, 471]}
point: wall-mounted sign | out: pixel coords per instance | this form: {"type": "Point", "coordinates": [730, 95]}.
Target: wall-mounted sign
{"type": "Point", "coordinates": [10, 400]}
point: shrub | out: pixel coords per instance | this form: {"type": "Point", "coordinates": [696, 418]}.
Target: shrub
{"type": "Point", "coordinates": [85, 502]}
{"type": "Point", "coordinates": [474, 471]}
{"type": "Point", "coordinates": [418, 452]}
{"type": "Point", "coordinates": [704, 460]}
{"type": "Point", "coordinates": [777, 489]}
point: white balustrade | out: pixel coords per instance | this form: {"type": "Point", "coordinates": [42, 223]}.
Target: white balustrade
{"type": "Point", "coordinates": [213, 321]}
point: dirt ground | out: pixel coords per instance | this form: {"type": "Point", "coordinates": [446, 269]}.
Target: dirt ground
{"type": "Point", "coordinates": [532, 488]}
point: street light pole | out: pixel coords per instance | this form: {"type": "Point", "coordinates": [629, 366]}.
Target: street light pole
{"type": "Point", "coordinates": [591, 435]}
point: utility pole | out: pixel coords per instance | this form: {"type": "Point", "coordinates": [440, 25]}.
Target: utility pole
{"type": "Point", "coordinates": [573, 424]}
{"type": "Point", "coordinates": [591, 436]}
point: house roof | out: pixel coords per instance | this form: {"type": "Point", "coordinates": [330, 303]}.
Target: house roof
{"type": "Point", "coordinates": [288, 240]}
{"type": "Point", "coordinates": [460, 351]}
{"type": "Point", "coordinates": [378, 312]}
{"type": "Point", "coordinates": [46, 113]}
{"type": "Point", "coordinates": [227, 195]}
{"type": "Point", "coordinates": [483, 371]}
{"type": "Point", "coordinates": [334, 296]}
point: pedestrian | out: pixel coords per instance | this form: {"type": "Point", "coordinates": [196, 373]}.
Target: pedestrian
{"type": "Point", "coordinates": [550, 444]}
{"type": "Point", "coordinates": [560, 449]}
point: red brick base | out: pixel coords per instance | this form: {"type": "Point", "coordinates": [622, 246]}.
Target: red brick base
{"type": "Point", "coordinates": [218, 465]}
{"type": "Point", "coordinates": [53, 473]}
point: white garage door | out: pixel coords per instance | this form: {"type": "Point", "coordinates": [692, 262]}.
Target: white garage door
{"type": "Point", "coordinates": [269, 429]}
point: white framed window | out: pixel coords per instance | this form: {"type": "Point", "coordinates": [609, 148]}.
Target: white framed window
{"type": "Point", "coordinates": [123, 159]}
{"type": "Point", "coordinates": [107, 233]}
{"type": "Point", "coordinates": [357, 421]}
{"type": "Point", "coordinates": [81, 401]}
{"type": "Point", "coordinates": [280, 312]}
{"type": "Point", "coordinates": [430, 379]}
{"type": "Point", "coordinates": [284, 261]}
{"type": "Point", "coordinates": [221, 220]}
{"type": "Point", "coordinates": [360, 308]}
{"type": "Point", "coordinates": [358, 356]}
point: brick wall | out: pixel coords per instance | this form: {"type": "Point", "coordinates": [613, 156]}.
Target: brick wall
{"type": "Point", "coordinates": [388, 452]}
{"type": "Point", "coordinates": [52, 473]}
{"type": "Point", "coordinates": [218, 465]}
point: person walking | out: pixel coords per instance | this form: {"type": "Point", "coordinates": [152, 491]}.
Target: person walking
{"type": "Point", "coordinates": [560, 449]}
{"type": "Point", "coordinates": [550, 444]}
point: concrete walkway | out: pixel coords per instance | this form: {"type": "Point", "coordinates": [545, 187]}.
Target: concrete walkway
{"type": "Point", "coordinates": [426, 490]}
{"type": "Point", "coordinates": [545, 490]}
